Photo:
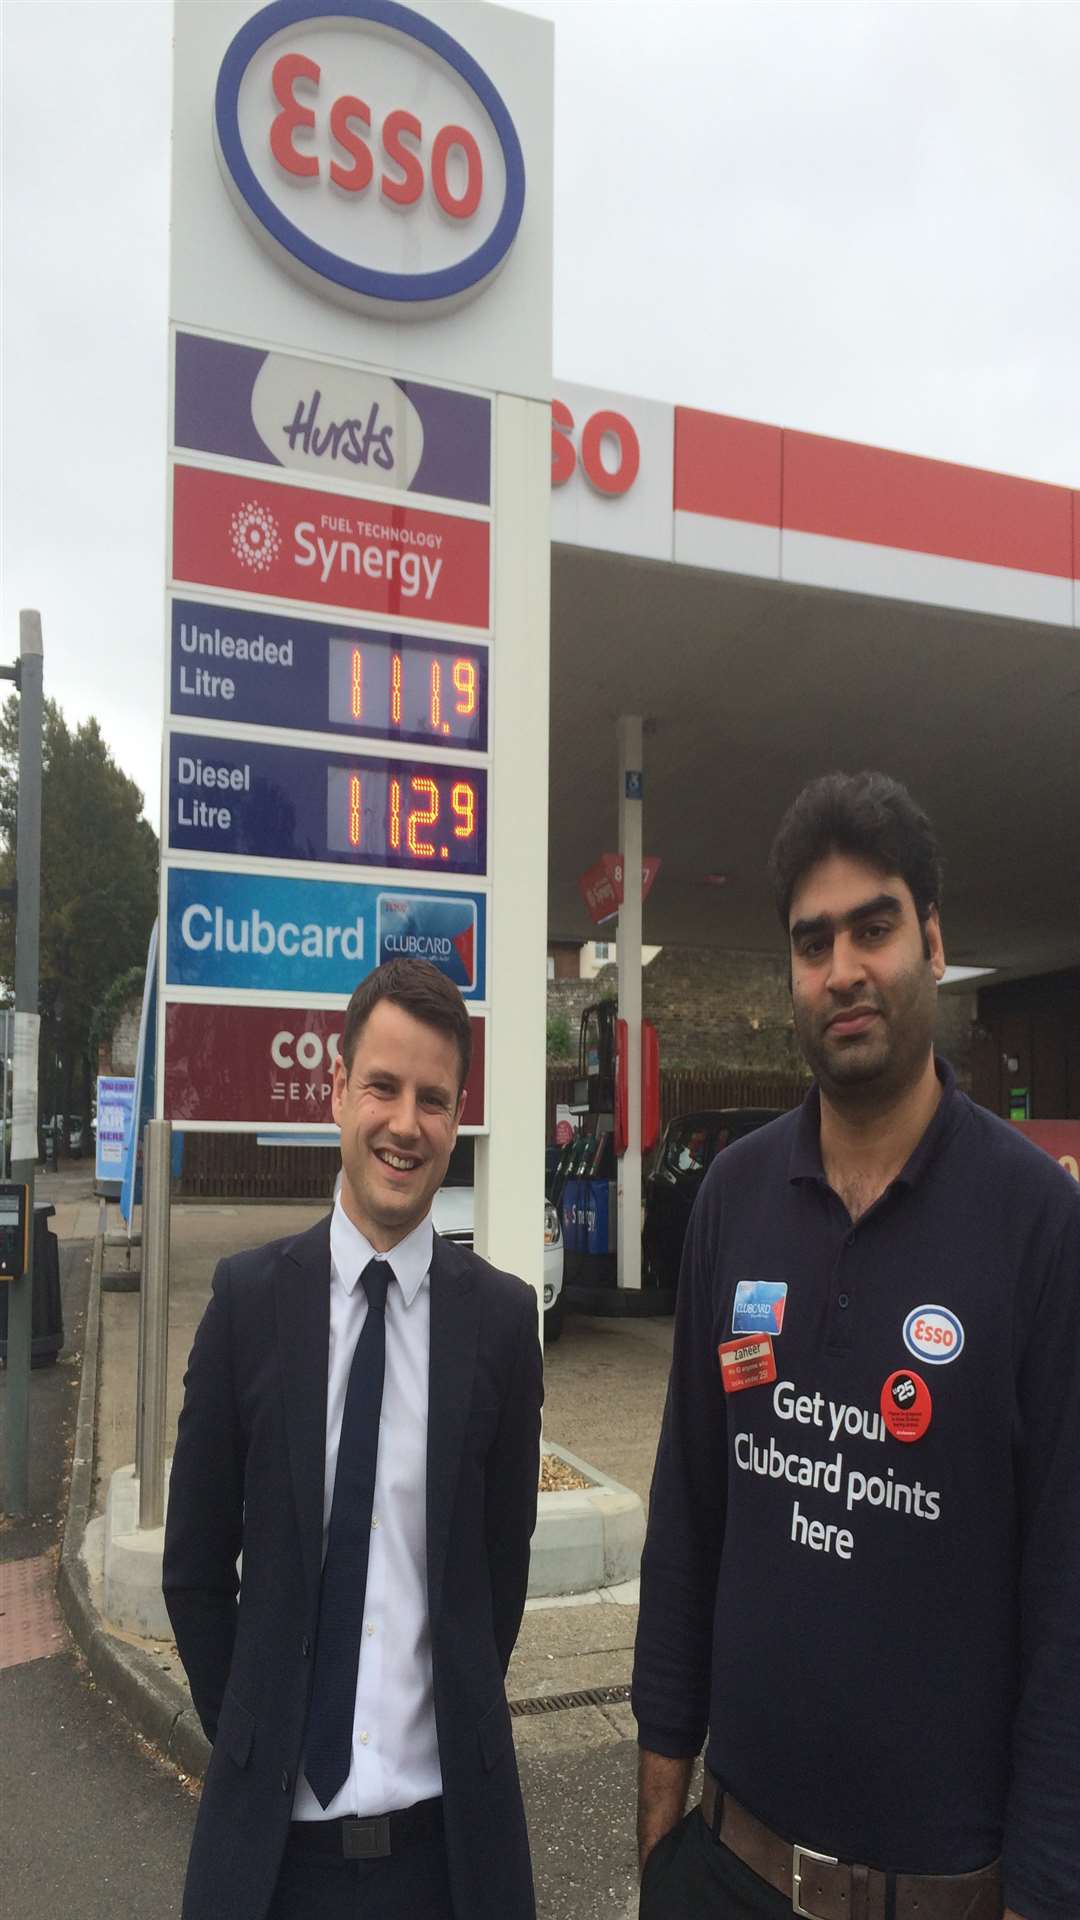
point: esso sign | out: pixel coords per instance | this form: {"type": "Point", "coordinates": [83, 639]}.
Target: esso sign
{"type": "Point", "coordinates": [306, 1050]}
{"type": "Point", "coordinates": [607, 449]}
{"type": "Point", "coordinates": [370, 152]}
{"type": "Point", "coordinates": [934, 1335]}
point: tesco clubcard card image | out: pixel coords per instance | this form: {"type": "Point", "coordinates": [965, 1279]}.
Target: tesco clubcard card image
{"type": "Point", "coordinates": [759, 1306]}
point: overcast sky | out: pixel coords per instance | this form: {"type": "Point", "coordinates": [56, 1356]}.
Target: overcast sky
{"type": "Point", "coordinates": [859, 219]}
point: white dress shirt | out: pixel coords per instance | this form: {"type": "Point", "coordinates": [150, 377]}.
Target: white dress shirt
{"type": "Point", "coordinates": [395, 1753]}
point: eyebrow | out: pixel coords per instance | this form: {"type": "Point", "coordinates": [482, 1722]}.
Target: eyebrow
{"type": "Point", "coordinates": [825, 923]}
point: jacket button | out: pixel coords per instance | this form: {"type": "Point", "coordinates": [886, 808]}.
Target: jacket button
{"type": "Point", "coordinates": [284, 1783]}
{"type": "Point", "coordinates": [305, 1646]}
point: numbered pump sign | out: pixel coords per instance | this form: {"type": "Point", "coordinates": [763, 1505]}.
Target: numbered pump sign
{"type": "Point", "coordinates": [356, 653]}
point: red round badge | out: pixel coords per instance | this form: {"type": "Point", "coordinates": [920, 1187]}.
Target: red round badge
{"type": "Point", "coordinates": [906, 1405]}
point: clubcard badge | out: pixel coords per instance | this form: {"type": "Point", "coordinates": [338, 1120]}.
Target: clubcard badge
{"type": "Point", "coordinates": [746, 1363]}
{"type": "Point", "coordinates": [934, 1335]}
{"type": "Point", "coordinates": [759, 1306]}
{"type": "Point", "coordinates": [906, 1405]}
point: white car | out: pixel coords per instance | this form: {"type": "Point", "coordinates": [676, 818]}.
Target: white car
{"type": "Point", "coordinates": [452, 1214]}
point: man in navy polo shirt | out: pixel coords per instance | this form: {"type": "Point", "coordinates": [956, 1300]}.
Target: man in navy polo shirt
{"type": "Point", "coordinates": [862, 1572]}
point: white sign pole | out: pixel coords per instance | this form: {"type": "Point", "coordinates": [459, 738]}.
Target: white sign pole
{"type": "Point", "coordinates": [510, 1159]}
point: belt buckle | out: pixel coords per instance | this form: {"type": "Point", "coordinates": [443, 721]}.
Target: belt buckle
{"type": "Point", "coordinates": [798, 1855]}
{"type": "Point", "coordinates": [366, 1839]}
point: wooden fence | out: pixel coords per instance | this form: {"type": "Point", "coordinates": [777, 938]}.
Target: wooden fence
{"type": "Point", "coordinates": [230, 1166]}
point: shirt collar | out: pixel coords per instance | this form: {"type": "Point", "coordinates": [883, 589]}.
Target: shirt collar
{"type": "Point", "coordinates": [350, 1251]}
{"type": "Point", "coordinates": [805, 1161]}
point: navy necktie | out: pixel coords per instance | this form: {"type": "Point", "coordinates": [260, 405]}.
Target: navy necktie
{"type": "Point", "coordinates": [328, 1748]}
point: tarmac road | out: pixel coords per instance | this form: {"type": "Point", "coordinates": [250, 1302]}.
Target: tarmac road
{"type": "Point", "coordinates": [94, 1823]}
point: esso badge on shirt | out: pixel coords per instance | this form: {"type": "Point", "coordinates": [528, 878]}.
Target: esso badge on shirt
{"type": "Point", "coordinates": [934, 1335]}
{"type": "Point", "coordinates": [906, 1405]}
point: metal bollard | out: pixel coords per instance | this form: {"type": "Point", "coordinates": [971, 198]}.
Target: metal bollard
{"type": "Point", "coordinates": [154, 1323]}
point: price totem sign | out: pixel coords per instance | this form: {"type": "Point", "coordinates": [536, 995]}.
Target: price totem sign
{"type": "Point", "coordinates": [355, 752]}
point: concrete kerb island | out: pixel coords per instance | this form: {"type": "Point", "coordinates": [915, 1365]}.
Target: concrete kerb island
{"type": "Point", "coordinates": [587, 1543]}
{"type": "Point", "coordinates": [588, 1538]}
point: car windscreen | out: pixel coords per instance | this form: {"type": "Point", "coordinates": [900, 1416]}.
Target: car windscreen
{"type": "Point", "coordinates": [686, 1150]}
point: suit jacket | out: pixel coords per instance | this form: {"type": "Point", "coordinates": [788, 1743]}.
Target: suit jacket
{"type": "Point", "coordinates": [247, 1476]}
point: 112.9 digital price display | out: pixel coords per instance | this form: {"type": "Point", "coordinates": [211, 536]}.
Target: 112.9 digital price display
{"type": "Point", "coordinates": [386, 813]}
{"type": "Point", "coordinates": [409, 690]}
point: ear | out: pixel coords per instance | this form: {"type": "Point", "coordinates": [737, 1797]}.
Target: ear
{"type": "Point", "coordinates": [934, 942]}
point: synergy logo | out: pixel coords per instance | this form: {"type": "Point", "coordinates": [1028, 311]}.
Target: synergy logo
{"type": "Point", "coordinates": [759, 1306]}
{"type": "Point", "coordinates": [934, 1335]}
{"type": "Point", "coordinates": [254, 537]}
{"type": "Point", "coordinates": [370, 153]}
{"type": "Point", "coordinates": [423, 926]}
{"type": "Point", "coordinates": [294, 543]}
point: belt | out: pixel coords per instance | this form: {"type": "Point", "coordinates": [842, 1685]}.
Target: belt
{"type": "Point", "coordinates": [821, 1887]}
{"type": "Point", "coordinates": [371, 1838]}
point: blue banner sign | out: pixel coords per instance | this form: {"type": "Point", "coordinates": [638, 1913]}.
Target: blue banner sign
{"type": "Point", "coordinates": [288, 935]}
{"type": "Point", "coordinates": [252, 798]}
{"type": "Point", "coordinates": [274, 670]}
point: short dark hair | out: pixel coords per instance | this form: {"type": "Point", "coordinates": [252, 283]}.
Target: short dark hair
{"type": "Point", "coordinates": [418, 988]}
{"type": "Point", "coordinates": [868, 816]}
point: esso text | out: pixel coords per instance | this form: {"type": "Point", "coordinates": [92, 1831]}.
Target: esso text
{"type": "Point", "coordinates": [605, 425]}
{"type": "Point", "coordinates": [391, 148]}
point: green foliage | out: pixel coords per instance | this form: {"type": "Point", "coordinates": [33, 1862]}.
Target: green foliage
{"type": "Point", "coordinates": [560, 1039]}
{"type": "Point", "coordinates": [99, 861]}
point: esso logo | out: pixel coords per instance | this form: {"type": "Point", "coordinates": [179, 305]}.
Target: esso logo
{"type": "Point", "coordinates": [933, 1335]}
{"type": "Point", "coordinates": [370, 153]}
{"type": "Point", "coordinates": [306, 1050]}
{"type": "Point", "coordinates": [610, 450]}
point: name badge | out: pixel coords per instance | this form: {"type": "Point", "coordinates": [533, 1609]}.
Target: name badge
{"type": "Point", "coordinates": [746, 1363]}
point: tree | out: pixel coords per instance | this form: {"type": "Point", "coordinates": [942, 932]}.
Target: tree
{"type": "Point", "coordinates": [99, 864]}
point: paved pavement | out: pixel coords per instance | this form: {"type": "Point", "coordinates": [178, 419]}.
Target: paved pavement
{"type": "Point", "coordinates": [605, 1385]}
{"type": "Point", "coordinates": [93, 1823]}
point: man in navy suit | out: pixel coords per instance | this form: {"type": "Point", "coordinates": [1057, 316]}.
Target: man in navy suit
{"type": "Point", "coordinates": [352, 1682]}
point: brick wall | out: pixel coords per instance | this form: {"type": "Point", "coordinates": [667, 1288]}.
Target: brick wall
{"type": "Point", "coordinates": [732, 1011]}
{"type": "Point", "coordinates": [119, 1053]}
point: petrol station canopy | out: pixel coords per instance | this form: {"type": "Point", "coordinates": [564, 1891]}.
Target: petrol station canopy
{"type": "Point", "coordinates": [778, 604]}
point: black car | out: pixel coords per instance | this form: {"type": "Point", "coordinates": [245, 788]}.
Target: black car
{"type": "Point", "coordinates": [690, 1143]}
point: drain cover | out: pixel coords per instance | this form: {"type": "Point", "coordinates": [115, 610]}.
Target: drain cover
{"type": "Point", "coordinates": [557, 1702]}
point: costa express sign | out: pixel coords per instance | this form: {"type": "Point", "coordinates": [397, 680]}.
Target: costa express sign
{"type": "Point", "coordinates": [370, 152]}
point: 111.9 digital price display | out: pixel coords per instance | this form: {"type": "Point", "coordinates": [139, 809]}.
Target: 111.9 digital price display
{"type": "Point", "coordinates": [411, 690]}
{"type": "Point", "coordinates": [385, 813]}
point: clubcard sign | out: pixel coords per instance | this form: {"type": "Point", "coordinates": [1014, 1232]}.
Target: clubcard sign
{"type": "Point", "coordinates": [358, 516]}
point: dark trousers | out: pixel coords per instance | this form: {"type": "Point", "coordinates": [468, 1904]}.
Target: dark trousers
{"type": "Point", "coordinates": [690, 1876]}
{"type": "Point", "coordinates": [411, 1885]}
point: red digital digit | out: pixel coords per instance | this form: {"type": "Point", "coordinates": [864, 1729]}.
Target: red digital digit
{"type": "Point", "coordinates": [395, 690]}
{"type": "Point", "coordinates": [436, 696]}
{"type": "Point", "coordinates": [463, 802]}
{"type": "Point", "coordinates": [465, 685]}
{"type": "Point", "coordinates": [357, 684]}
{"type": "Point", "coordinates": [422, 817]}
{"type": "Point", "coordinates": [354, 810]}
{"type": "Point", "coordinates": [395, 816]}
